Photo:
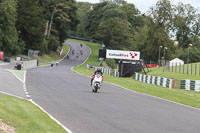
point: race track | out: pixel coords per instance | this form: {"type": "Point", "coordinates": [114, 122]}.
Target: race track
{"type": "Point", "coordinates": [67, 96]}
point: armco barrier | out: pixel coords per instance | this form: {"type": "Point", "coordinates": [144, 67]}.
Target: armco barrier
{"type": "Point", "coordinates": [190, 85]}
{"type": "Point", "coordinates": [105, 70]}
{"type": "Point", "coordinates": [161, 81]}
{"type": "Point", "coordinates": [29, 64]}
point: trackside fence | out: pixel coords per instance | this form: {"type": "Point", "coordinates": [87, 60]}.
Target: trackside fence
{"type": "Point", "coordinates": [161, 81]}
{"type": "Point", "coordinates": [105, 70]}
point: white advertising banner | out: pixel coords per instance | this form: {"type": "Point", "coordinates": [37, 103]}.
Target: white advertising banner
{"type": "Point", "coordinates": [120, 54]}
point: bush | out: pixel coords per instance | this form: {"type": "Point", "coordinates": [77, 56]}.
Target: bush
{"type": "Point", "coordinates": [111, 63]}
{"type": "Point", "coordinates": [53, 43]}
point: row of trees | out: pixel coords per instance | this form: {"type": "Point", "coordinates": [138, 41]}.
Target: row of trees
{"type": "Point", "coordinates": [44, 25]}
{"type": "Point", "coordinates": [120, 25]}
{"type": "Point", "coordinates": [35, 24]}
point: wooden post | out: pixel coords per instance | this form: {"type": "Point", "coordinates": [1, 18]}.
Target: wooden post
{"type": "Point", "coordinates": [191, 69]}
{"type": "Point", "coordinates": [195, 69]}
{"type": "Point", "coordinates": [199, 69]}
{"type": "Point", "coordinates": [150, 63]}
{"type": "Point", "coordinates": [176, 68]}
{"type": "Point", "coordinates": [179, 67]}
{"type": "Point", "coordinates": [183, 68]}
{"type": "Point", "coordinates": [168, 67]}
{"type": "Point", "coordinates": [172, 67]}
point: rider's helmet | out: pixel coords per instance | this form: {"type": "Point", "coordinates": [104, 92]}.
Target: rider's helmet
{"type": "Point", "coordinates": [99, 70]}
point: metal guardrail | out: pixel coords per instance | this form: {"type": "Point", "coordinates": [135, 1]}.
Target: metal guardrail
{"type": "Point", "coordinates": [105, 70]}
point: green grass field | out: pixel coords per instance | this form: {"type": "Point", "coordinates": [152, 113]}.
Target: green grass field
{"type": "Point", "coordinates": [26, 117]}
{"type": "Point", "coordinates": [190, 98]}
{"type": "Point", "coordinates": [46, 59]}
{"type": "Point", "coordinates": [176, 74]}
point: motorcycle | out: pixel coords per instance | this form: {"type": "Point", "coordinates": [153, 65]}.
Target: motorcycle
{"type": "Point", "coordinates": [96, 84]}
{"type": "Point", "coordinates": [72, 52]}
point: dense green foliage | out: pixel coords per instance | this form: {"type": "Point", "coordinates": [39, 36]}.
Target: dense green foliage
{"type": "Point", "coordinates": [111, 63]}
{"type": "Point", "coordinates": [8, 31]}
{"type": "Point", "coordinates": [119, 25]}
{"type": "Point", "coordinates": [44, 25]}
{"type": "Point", "coordinates": [35, 24]}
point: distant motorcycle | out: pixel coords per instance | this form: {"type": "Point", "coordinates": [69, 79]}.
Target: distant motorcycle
{"type": "Point", "coordinates": [96, 84]}
{"type": "Point", "coordinates": [77, 55]}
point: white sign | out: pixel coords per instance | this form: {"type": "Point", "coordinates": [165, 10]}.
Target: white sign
{"type": "Point", "coordinates": [120, 54]}
{"type": "Point", "coordinates": [18, 58]}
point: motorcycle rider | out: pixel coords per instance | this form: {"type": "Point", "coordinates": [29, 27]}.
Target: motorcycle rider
{"type": "Point", "coordinates": [98, 71]}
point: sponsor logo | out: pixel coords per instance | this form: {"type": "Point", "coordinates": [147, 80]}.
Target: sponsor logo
{"type": "Point", "coordinates": [113, 54]}
{"type": "Point", "coordinates": [133, 55]}
{"type": "Point", "coordinates": [124, 55]}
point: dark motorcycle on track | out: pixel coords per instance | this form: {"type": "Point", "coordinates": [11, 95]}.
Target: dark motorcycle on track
{"type": "Point", "coordinates": [81, 52]}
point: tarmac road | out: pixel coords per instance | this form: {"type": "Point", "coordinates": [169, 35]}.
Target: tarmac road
{"type": "Point", "coordinates": [5, 65]}
{"type": "Point", "coordinates": [68, 97]}
{"type": "Point", "coordinates": [9, 84]}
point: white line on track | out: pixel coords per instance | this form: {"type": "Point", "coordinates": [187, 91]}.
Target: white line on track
{"type": "Point", "coordinates": [12, 95]}
{"type": "Point", "coordinates": [66, 54]}
{"type": "Point", "coordinates": [33, 102]}
{"type": "Point", "coordinates": [59, 123]}
{"type": "Point", "coordinates": [16, 76]}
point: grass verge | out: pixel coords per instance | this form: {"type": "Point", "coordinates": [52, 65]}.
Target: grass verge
{"type": "Point", "coordinates": [190, 98]}
{"type": "Point", "coordinates": [46, 59]}
{"type": "Point", "coordinates": [19, 74]}
{"type": "Point", "coordinates": [177, 75]}
{"type": "Point", "coordinates": [26, 117]}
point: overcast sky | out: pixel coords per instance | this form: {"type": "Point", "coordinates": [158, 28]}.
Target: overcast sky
{"type": "Point", "coordinates": [144, 5]}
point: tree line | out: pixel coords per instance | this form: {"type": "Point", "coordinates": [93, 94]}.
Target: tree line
{"type": "Point", "coordinates": [44, 25]}
{"type": "Point", "coordinates": [120, 25]}
{"type": "Point", "coordinates": [35, 24]}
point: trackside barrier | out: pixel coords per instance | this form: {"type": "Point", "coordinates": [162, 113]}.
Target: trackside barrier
{"type": "Point", "coordinates": [161, 81]}
{"type": "Point", "coordinates": [27, 64]}
{"type": "Point", "coordinates": [105, 70]}
{"type": "Point", "coordinates": [190, 85]}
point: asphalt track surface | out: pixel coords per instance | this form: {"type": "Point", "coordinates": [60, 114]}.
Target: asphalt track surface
{"type": "Point", "coordinates": [9, 84]}
{"type": "Point", "coordinates": [68, 97]}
